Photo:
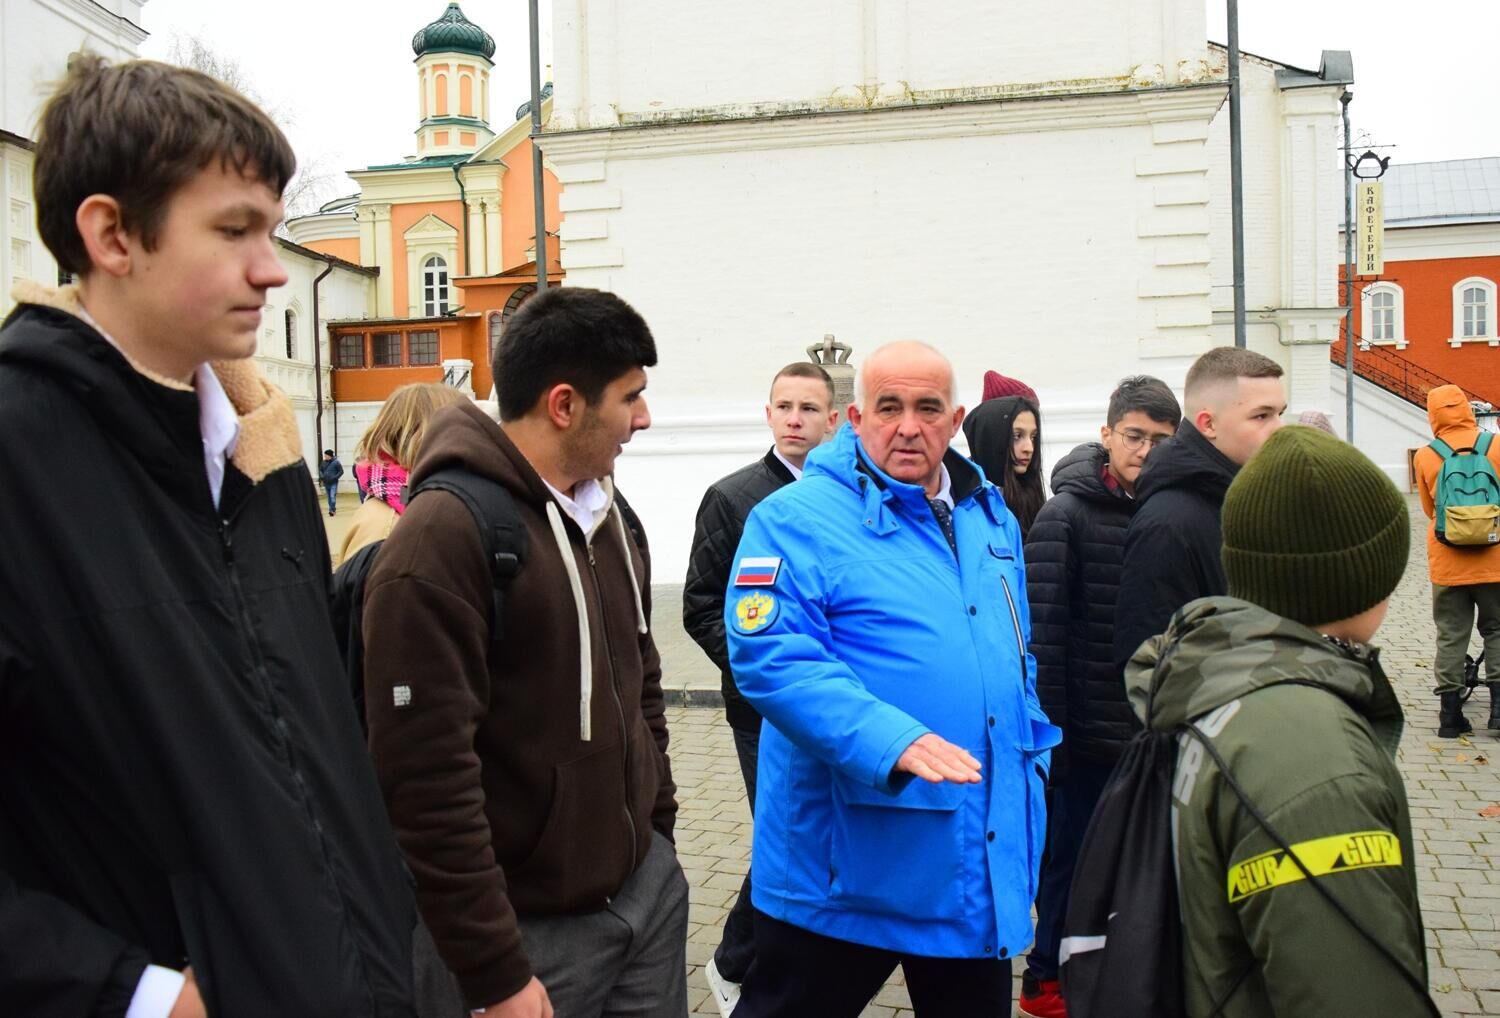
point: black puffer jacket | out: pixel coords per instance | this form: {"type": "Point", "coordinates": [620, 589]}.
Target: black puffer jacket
{"type": "Point", "coordinates": [721, 520]}
{"type": "Point", "coordinates": [1073, 559]}
{"type": "Point", "coordinates": [182, 779]}
{"type": "Point", "coordinates": [1172, 553]}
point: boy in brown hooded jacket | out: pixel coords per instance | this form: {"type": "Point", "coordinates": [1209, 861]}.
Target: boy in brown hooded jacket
{"type": "Point", "coordinates": [527, 775]}
{"type": "Point", "coordinates": [1465, 581]}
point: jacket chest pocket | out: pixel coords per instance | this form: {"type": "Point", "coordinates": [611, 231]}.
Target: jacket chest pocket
{"type": "Point", "coordinates": [1001, 591]}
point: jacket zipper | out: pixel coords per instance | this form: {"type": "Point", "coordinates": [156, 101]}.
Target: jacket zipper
{"type": "Point", "coordinates": [283, 731]}
{"type": "Point", "coordinates": [1015, 622]}
{"type": "Point", "coordinates": [614, 686]}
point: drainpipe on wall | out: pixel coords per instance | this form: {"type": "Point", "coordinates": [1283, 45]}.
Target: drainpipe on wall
{"type": "Point", "coordinates": [463, 201]}
{"type": "Point", "coordinates": [318, 367]}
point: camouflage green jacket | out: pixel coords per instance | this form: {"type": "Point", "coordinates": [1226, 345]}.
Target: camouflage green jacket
{"type": "Point", "coordinates": [1314, 748]}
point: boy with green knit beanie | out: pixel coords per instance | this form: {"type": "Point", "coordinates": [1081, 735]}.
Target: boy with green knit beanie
{"type": "Point", "coordinates": [1282, 683]}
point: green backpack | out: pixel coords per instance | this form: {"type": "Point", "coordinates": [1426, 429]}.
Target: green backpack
{"type": "Point", "coordinates": [1467, 513]}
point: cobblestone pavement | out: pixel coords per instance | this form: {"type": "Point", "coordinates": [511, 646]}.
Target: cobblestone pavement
{"type": "Point", "coordinates": [1447, 783]}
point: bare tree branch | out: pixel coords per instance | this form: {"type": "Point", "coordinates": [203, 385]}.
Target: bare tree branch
{"type": "Point", "coordinates": [313, 184]}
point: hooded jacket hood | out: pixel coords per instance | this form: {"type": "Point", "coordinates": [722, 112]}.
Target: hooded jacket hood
{"type": "Point", "coordinates": [988, 429]}
{"type": "Point", "coordinates": [1451, 415]}
{"type": "Point", "coordinates": [1217, 649]}
{"type": "Point", "coordinates": [845, 460]}
{"type": "Point", "coordinates": [1189, 461]}
{"type": "Point", "coordinates": [1080, 473]}
{"type": "Point", "coordinates": [465, 437]}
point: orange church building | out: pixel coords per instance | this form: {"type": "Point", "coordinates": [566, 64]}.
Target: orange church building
{"type": "Point", "coordinates": [451, 230]}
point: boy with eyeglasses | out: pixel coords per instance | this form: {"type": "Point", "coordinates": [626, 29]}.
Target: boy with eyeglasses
{"type": "Point", "coordinates": [1074, 556]}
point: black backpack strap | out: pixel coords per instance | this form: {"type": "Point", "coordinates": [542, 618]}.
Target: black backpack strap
{"type": "Point", "coordinates": [501, 531]}
{"type": "Point", "coordinates": [1316, 882]}
{"type": "Point", "coordinates": [347, 606]}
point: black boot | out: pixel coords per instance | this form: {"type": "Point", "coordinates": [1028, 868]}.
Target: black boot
{"type": "Point", "coordinates": [1494, 705]}
{"type": "Point", "coordinates": [1451, 720]}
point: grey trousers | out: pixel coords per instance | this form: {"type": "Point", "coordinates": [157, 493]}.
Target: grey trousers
{"type": "Point", "coordinates": [1454, 611]}
{"type": "Point", "coordinates": [627, 959]}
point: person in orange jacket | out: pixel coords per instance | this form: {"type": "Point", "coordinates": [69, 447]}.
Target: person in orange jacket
{"type": "Point", "coordinates": [1465, 581]}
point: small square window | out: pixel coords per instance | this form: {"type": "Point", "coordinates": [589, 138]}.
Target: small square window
{"type": "Point", "coordinates": [386, 348]}
{"type": "Point", "coordinates": [422, 348]}
{"type": "Point", "coordinates": [351, 350]}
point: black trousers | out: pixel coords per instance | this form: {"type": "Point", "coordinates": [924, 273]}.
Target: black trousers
{"type": "Point", "coordinates": [737, 948]}
{"type": "Point", "coordinates": [800, 974]}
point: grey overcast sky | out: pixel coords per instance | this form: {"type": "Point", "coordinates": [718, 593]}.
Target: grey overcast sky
{"type": "Point", "coordinates": [341, 70]}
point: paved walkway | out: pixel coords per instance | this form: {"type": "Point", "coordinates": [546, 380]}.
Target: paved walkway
{"type": "Point", "coordinates": [1448, 782]}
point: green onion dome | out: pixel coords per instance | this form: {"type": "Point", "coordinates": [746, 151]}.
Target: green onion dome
{"type": "Point", "coordinates": [453, 33]}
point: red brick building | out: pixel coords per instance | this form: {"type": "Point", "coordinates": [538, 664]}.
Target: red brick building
{"type": "Point", "coordinates": [1430, 317]}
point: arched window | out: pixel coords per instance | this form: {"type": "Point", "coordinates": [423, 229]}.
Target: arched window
{"type": "Point", "coordinates": [434, 287]}
{"type": "Point", "coordinates": [1474, 312]}
{"type": "Point", "coordinates": [465, 95]}
{"type": "Point", "coordinates": [1383, 318]}
{"type": "Point", "coordinates": [519, 296]}
{"type": "Point", "coordinates": [289, 322]}
{"type": "Point", "coordinates": [497, 323]}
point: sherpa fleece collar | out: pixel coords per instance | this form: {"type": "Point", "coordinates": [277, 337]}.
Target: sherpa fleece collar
{"type": "Point", "coordinates": [269, 439]}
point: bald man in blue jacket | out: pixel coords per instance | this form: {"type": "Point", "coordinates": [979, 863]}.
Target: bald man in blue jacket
{"type": "Point", "coordinates": [877, 618]}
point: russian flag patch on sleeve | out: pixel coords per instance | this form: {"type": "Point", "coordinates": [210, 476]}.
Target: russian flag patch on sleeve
{"type": "Point", "coordinates": [757, 572]}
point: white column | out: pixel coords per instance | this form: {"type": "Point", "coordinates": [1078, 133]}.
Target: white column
{"type": "Point", "coordinates": [478, 263]}
{"type": "Point", "coordinates": [380, 228]}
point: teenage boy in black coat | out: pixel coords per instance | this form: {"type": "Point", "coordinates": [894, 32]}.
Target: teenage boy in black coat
{"type": "Point", "coordinates": [189, 823]}
{"type": "Point", "coordinates": [1073, 559]}
{"type": "Point", "coordinates": [800, 414]}
{"type": "Point", "coordinates": [1234, 400]}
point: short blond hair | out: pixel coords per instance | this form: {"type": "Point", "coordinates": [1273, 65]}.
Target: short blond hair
{"type": "Point", "coordinates": [398, 430]}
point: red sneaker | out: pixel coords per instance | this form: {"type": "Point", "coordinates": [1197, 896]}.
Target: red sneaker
{"type": "Point", "coordinates": [1042, 999]}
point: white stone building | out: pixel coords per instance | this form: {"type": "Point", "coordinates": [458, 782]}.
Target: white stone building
{"type": "Point", "coordinates": [292, 348]}
{"type": "Point", "coordinates": [1036, 187]}
{"type": "Point", "coordinates": [36, 37]}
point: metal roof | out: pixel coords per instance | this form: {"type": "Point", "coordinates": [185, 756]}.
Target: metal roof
{"type": "Point", "coordinates": [1434, 194]}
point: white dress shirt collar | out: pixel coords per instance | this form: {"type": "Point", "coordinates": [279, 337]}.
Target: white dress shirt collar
{"type": "Point", "coordinates": [218, 423]}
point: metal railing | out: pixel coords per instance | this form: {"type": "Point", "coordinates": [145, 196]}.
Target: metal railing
{"type": "Point", "coordinates": [1396, 375]}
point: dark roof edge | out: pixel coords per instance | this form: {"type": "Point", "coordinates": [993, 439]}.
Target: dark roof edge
{"type": "Point", "coordinates": [17, 140]}
{"type": "Point", "coordinates": [364, 270]}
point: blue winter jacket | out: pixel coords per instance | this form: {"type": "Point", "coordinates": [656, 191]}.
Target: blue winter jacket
{"type": "Point", "coordinates": [854, 630]}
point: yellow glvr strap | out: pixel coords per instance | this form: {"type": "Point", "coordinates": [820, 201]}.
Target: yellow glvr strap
{"type": "Point", "coordinates": [1322, 857]}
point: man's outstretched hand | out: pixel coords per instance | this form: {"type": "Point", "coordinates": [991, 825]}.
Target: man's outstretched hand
{"type": "Point", "coordinates": [933, 758]}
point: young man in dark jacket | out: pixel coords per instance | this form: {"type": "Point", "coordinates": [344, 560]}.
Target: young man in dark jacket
{"type": "Point", "coordinates": [329, 472]}
{"type": "Point", "coordinates": [526, 769]}
{"type": "Point", "coordinates": [1281, 682]}
{"type": "Point", "coordinates": [801, 413]}
{"type": "Point", "coordinates": [1234, 400]}
{"type": "Point", "coordinates": [1073, 560]}
{"type": "Point", "coordinates": [188, 819]}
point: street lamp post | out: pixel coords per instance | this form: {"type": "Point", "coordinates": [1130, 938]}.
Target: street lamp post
{"type": "Point", "coordinates": [540, 210]}
{"type": "Point", "coordinates": [1236, 175]}
{"type": "Point", "coordinates": [1345, 99]}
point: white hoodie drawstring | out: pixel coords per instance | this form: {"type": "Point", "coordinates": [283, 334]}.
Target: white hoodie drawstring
{"type": "Point", "coordinates": [635, 584]}
{"type": "Point", "coordinates": [585, 649]}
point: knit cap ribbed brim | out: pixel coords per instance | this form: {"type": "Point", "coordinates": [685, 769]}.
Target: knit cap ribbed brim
{"type": "Point", "coordinates": [1313, 530]}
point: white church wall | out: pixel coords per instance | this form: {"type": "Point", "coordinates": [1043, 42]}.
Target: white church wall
{"type": "Point", "coordinates": [612, 62]}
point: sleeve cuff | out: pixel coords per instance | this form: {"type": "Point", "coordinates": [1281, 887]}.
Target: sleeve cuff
{"type": "Point", "coordinates": [156, 993]}
{"type": "Point", "coordinates": [886, 779]}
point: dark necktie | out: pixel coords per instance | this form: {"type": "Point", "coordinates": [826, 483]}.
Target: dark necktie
{"type": "Point", "coordinates": [945, 520]}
